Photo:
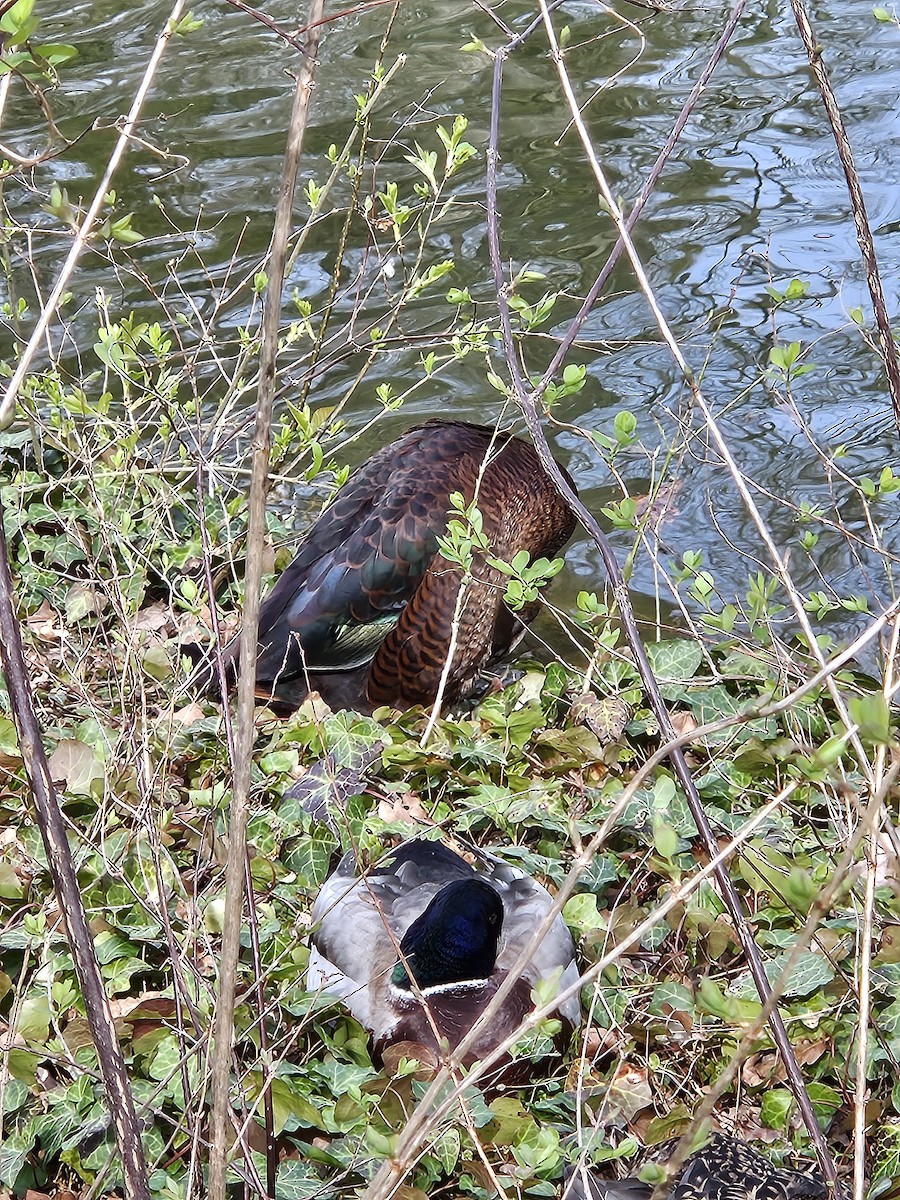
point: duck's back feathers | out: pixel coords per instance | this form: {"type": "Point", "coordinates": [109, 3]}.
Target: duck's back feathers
{"type": "Point", "coordinates": [368, 583]}
{"type": "Point", "coordinates": [361, 923]}
{"type": "Point", "coordinates": [728, 1169]}
{"type": "Point", "coordinates": [724, 1169]}
{"type": "Point", "coordinates": [357, 567]}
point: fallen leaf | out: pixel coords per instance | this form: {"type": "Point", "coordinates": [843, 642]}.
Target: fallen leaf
{"type": "Point", "coordinates": [685, 1019]}
{"type": "Point", "coordinates": [629, 1092]}
{"type": "Point", "coordinates": [606, 718]}
{"type": "Point", "coordinates": [759, 1069]}
{"type": "Point", "coordinates": [44, 623]}
{"type": "Point", "coordinates": [83, 600]}
{"type": "Point", "coordinates": [189, 715]}
{"type": "Point", "coordinates": [314, 708]}
{"type": "Point", "coordinates": [406, 808]}
{"type": "Point", "coordinates": [151, 619]}
{"type": "Point", "coordinates": [683, 722]}
{"type": "Point", "coordinates": [76, 766]}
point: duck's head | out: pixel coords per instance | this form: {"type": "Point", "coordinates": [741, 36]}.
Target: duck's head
{"type": "Point", "coordinates": [454, 940]}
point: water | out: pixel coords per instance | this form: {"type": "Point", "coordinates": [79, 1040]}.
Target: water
{"type": "Point", "coordinates": [753, 196]}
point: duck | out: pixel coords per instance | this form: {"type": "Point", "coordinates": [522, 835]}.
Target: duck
{"type": "Point", "coordinates": [418, 945]}
{"type": "Point", "coordinates": [725, 1168]}
{"type": "Point", "coordinates": [364, 612]}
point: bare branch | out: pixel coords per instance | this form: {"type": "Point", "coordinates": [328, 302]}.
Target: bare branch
{"type": "Point", "coordinates": [48, 310]}
{"type": "Point", "coordinates": [243, 747]}
{"type": "Point", "coordinates": [68, 891]}
{"type": "Point", "coordinates": [886, 343]}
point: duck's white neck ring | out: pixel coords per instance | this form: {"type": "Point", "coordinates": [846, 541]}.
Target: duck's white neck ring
{"type": "Point", "coordinates": [437, 989]}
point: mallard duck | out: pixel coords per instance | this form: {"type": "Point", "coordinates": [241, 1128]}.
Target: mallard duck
{"type": "Point", "coordinates": [363, 614]}
{"type": "Point", "coordinates": [425, 928]}
{"type": "Point", "coordinates": [724, 1169]}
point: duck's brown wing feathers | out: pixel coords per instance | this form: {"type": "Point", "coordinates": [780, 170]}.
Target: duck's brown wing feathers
{"type": "Point", "coordinates": [368, 580]}
{"type": "Point", "coordinates": [521, 510]}
{"type": "Point", "coordinates": [360, 563]}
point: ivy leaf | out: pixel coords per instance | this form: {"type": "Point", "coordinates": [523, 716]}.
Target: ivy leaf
{"type": "Point", "coordinates": [776, 1108]}
{"type": "Point", "coordinates": [810, 973]}
{"type": "Point", "coordinates": [76, 766]}
{"type": "Point", "coordinates": [675, 659]}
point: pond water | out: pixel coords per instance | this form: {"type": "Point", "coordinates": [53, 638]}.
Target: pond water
{"type": "Point", "coordinates": [753, 196]}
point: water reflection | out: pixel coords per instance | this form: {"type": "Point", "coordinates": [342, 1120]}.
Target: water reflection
{"type": "Point", "coordinates": [753, 196]}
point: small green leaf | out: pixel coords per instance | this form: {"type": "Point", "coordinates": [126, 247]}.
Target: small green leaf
{"type": "Point", "coordinates": [872, 715]}
{"type": "Point", "coordinates": [777, 1105]}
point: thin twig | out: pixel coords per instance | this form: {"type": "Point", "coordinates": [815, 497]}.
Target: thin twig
{"type": "Point", "coordinates": [68, 891]}
{"type": "Point", "coordinates": [887, 346]}
{"type": "Point", "coordinates": [861, 1091]}
{"type": "Point", "coordinates": [629, 623]}
{"type": "Point", "coordinates": [48, 309]}
{"type": "Point", "coordinates": [269, 23]}
{"type": "Point", "coordinates": [237, 833]}
{"type": "Point", "coordinates": [643, 196]}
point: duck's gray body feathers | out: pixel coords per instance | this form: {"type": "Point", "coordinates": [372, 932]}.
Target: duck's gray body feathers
{"type": "Point", "coordinates": [362, 920]}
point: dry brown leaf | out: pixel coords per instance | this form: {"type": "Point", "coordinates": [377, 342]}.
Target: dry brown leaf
{"type": "Point", "coordinates": [606, 718]}
{"type": "Point", "coordinates": [764, 1068]}
{"type": "Point", "coordinates": [189, 715]}
{"type": "Point", "coordinates": [810, 1052]}
{"type": "Point", "coordinates": [193, 627]}
{"type": "Point", "coordinates": [44, 623]}
{"type": "Point", "coordinates": [75, 765]}
{"type": "Point", "coordinates": [758, 1069]}
{"type": "Point", "coordinates": [683, 722]}
{"type": "Point", "coordinates": [406, 808]}
{"type": "Point", "coordinates": [151, 619]}
{"type": "Point", "coordinates": [314, 707]}
{"type": "Point", "coordinates": [685, 1019]}
{"type": "Point", "coordinates": [600, 1041]}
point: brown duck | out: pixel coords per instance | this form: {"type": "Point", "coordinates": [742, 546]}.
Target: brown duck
{"type": "Point", "coordinates": [364, 612]}
{"type": "Point", "coordinates": [724, 1169]}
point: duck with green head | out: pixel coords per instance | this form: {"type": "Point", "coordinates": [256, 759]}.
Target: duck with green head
{"type": "Point", "coordinates": [418, 947]}
{"type": "Point", "coordinates": [364, 613]}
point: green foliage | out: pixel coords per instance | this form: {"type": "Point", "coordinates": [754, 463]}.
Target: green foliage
{"type": "Point", "coordinates": [502, 774]}
{"type": "Point", "coordinates": [526, 578]}
{"type": "Point", "coordinates": [797, 289]}
{"type": "Point", "coordinates": [784, 361]}
{"type": "Point", "coordinates": [624, 433]}
{"type": "Point", "coordinates": [122, 510]}
{"type": "Point", "coordinates": [20, 53]}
